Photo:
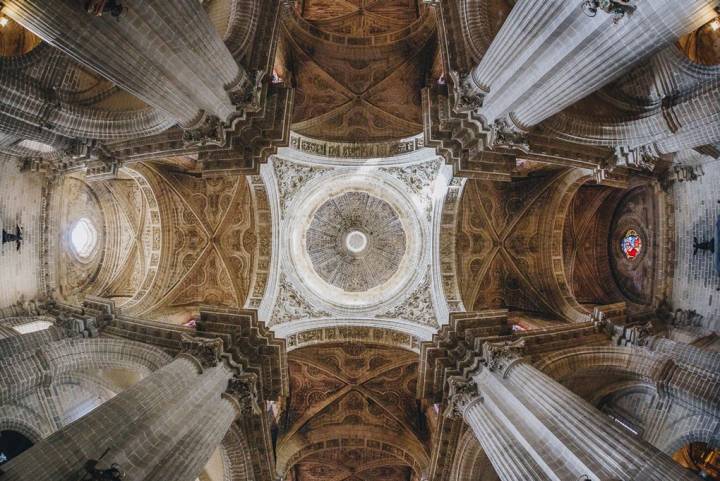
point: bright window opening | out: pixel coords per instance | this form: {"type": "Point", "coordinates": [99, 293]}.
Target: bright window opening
{"type": "Point", "coordinates": [33, 326]}
{"type": "Point", "coordinates": [83, 238]}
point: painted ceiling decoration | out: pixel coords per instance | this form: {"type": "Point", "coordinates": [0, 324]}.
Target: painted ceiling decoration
{"type": "Point", "coordinates": [355, 243]}
{"type": "Point", "coordinates": [360, 240]}
{"type": "Point", "coordinates": [359, 67]}
{"type": "Point", "coordinates": [352, 415]}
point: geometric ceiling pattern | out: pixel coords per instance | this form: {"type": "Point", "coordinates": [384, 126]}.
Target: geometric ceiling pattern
{"type": "Point", "coordinates": [359, 67]}
{"type": "Point", "coordinates": [358, 392]}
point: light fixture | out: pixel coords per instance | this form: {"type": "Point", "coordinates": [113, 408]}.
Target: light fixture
{"type": "Point", "coordinates": [715, 24]}
{"type": "Point", "coordinates": [4, 21]}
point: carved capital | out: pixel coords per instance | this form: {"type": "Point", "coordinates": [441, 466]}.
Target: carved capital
{"type": "Point", "coordinates": [206, 352]}
{"type": "Point", "coordinates": [209, 130]}
{"type": "Point", "coordinates": [638, 335]}
{"type": "Point", "coordinates": [462, 392]}
{"type": "Point", "coordinates": [617, 8]}
{"type": "Point", "coordinates": [501, 356]}
{"type": "Point", "coordinates": [247, 92]}
{"type": "Point", "coordinates": [242, 391]}
{"type": "Point", "coordinates": [505, 135]}
{"type": "Point", "coordinates": [467, 97]}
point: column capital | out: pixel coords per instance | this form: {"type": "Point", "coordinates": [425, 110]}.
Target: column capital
{"type": "Point", "coordinates": [243, 394]}
{"type": "Point", "coordinates": [206, 130]}
{"type": "Point", "coordinates": [462, 391]}
{"type": "Point", "coordinates": [617, 8]}
{"type": "Point", "coordinates": [506, 133]}
{"type": "Point", "coordinates": [501, 356]}
{"type": "Point", "coordinates": [205, 353]}
{"type": "Point", "coordinates": [468, 97]}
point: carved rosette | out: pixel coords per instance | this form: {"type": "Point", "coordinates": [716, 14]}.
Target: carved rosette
{"type": "Point", "coordinates": [461, 393]}
{"type": "Point", "coordinates": [242, 392]}
{"type": "Point", "coordinates": [501, 356]}
{"type": "Point", "coordinates": [205, 353]}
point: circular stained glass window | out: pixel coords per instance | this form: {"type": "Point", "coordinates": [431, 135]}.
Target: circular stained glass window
{"type": "Point", "coordinates": [83, 238]}
{"type": "Point", "coordinates": [631, 245]}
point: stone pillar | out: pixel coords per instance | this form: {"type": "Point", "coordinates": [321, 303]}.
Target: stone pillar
{"type": "Point", "coordinates": [550, 54]}
{"type": "Point", "coordinates": [166, 53]}
{"type": "Point", "coordinates": [149, 428]}
{"type": "Point", "coordinates": [531, 427]}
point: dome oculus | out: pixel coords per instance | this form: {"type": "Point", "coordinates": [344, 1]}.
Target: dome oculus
{"type": "Point", "coordinates": [83, 238]}
{"type": "Point", "coordinates": [355, 241]}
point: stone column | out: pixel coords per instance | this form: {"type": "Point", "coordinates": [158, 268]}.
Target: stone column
{"type": "Point", "coordinates": [550, 54]}
{"type": "Point", "coordinates": [166, 53]}
{"type": "Point", "coordinates": [531, 427]}
{"type": "Point", "coordinates": [208, 429]}
{"type": "Point", "coordinates": [146, 427]}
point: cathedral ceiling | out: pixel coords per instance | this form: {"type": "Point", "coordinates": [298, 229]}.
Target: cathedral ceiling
{"type": "Point", "coordinates": [550, 246]}
{"type": "Point", "coordinates": [352, 415]}
{"type": "Point", "coordinates": [167, 242]}
{"type": "Point", "coordinates": [212, 242]}
{"type": "Point", "coordinates": [355, 243]}
{"type": "Point", "coordinates": [359, 67]}
{"type": "Point", "coordinates": [507, 248]}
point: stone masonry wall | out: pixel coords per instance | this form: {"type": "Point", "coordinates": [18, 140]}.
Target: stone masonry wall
{"type": "Point", "coordinates": [696, 283]}
{"type": "Point", "coordinates": [20, 204]}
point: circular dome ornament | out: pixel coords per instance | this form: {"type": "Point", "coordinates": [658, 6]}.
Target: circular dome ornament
{"type": "Point", "coordinates": [352, 243]}
{"type": "Point", "coordinates": [355, 241]}
{"type": "Point", "coordinates": [631, 245]}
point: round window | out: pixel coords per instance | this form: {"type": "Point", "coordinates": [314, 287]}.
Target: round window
{"type": "Point", "coordinates": [631, 245]}
{"type": "Point", "coordinates": [83, 238]}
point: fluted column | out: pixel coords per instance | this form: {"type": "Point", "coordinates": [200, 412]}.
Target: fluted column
{"type": "Point", "coordinates": [532, 427]}
{"type": "Point", "coordinates": [550, 54]}
{"type": "Point", "coordinates": [166, 53]}
{"type": "Point", "coordinates": [143, 426]}
{"type": "Point", "coordinates": [208, 429]}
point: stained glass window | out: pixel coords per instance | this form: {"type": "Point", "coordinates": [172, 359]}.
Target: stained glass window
{"type": "Point", "coordinates": [631, 244]}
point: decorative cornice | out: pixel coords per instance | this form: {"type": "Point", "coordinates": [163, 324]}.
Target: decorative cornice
{"type": "Point", "coordinates": [644, 157]}
{"type": "Point", "coordinates": [347, 150]}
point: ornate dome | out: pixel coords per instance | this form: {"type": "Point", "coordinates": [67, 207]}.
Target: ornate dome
{"type": "Point", "coordinates": [355, 241]}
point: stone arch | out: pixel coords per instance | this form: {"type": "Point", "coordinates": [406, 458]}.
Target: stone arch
{"type": "Point", "coordinates": [692, 429]}
{"type": "Point", "coordinates": [213, 247]}
{"type": "Point", "coordinates": [509, 247]}
{"type": "Point", "coordinates": [25, 371]}
{"type": "Point", "coordinates": [600, 366]}
{"type": "Point", "coordinates": [470, 462]}
{"type": "Point", "coordinates": [125, 217]}
{"type": "Point", "coordinates": [403, 450]}
{"type": "Point", "coordinates": [9, 421]}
